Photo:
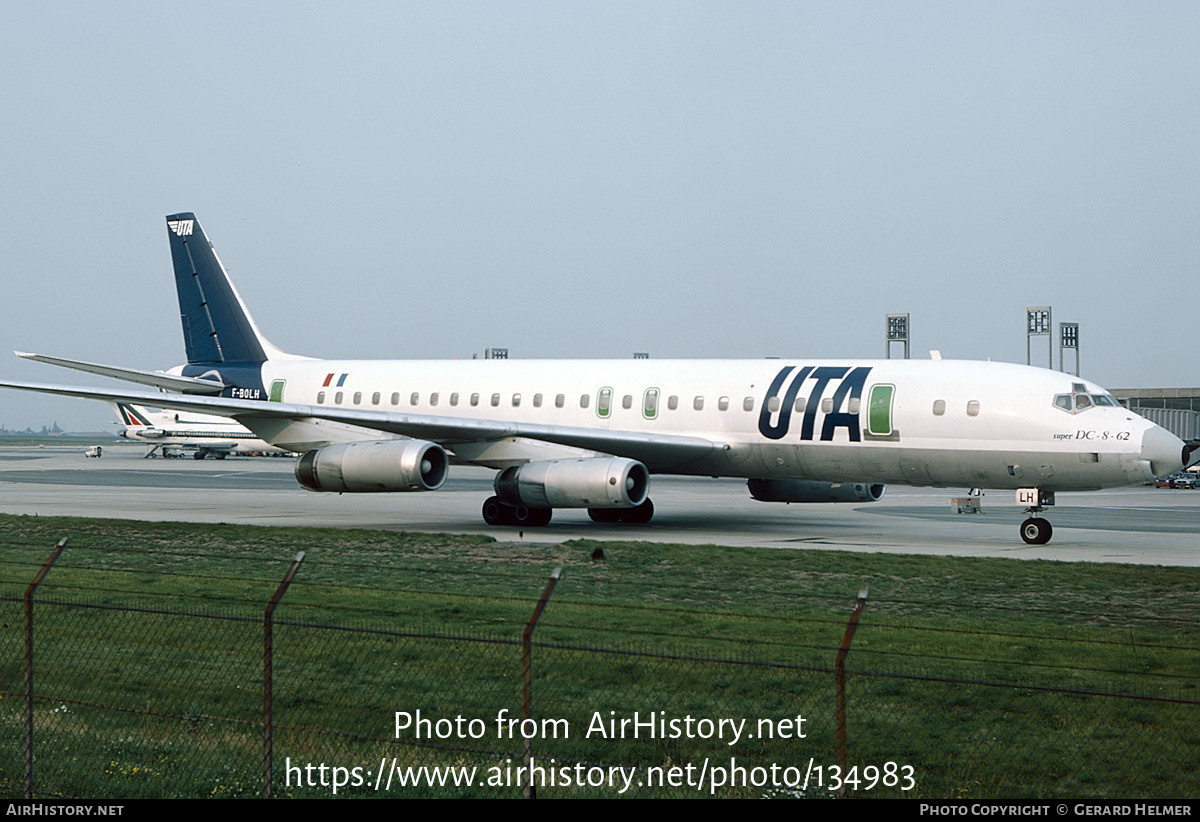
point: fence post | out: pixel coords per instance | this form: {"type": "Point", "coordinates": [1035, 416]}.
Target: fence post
{"type": "Point", "coordinates": [37, 580]}
{"type": "Point", "coordinates": [268, 673]}
{"type": "Point", "coordinates": [840, 669]}
{"type": "Point", "coordinates": [527, 677]}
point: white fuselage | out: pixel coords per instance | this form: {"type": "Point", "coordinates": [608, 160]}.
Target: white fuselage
{"type": "Point", "coordinates": [946, 423]}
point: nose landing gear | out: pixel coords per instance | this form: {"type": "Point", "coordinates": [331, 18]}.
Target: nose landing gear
{"type": "Point", "coordinates": [1035, 530]}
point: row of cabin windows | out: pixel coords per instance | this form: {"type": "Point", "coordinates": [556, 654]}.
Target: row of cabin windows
{"type": "Point", "coordinates": [939, 408]}
{"type": "Point", "coordinates": [604, 401]}
{"type": "Point", "coordinates": [649, 405]}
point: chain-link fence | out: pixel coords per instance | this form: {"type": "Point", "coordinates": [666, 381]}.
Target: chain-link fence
{"type": "Point", "coordinates": [100, 698]}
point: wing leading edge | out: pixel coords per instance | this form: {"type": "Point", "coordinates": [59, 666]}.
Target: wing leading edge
{"type": "Point", "coordinates": [269, 419]}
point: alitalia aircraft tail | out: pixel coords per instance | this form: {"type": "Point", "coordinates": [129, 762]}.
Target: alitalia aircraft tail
{"type": "Point", "coordinates": [217, 328]}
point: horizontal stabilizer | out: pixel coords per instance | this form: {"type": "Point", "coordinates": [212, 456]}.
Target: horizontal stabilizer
{"type": "Point", "coordinates": [158, 379]}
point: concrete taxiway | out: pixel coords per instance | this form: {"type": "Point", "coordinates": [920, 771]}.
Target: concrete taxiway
{"type": "Point", "coordinates": [1140, 524]}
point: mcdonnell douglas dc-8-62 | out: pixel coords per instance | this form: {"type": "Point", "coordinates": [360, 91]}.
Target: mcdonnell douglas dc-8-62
{"type": "Point", "coordinates": [591, 433]}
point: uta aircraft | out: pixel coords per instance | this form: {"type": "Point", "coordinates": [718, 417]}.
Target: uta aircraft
{"type": "Point", "coordinates": [592, 433]}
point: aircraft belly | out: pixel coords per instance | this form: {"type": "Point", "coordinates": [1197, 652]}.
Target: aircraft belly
{"type": "Point", "coordinates": [933, 467]}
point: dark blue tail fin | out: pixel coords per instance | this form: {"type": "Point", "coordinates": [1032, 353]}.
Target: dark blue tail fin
{"type": "Point", "coordinates": [216, 326]}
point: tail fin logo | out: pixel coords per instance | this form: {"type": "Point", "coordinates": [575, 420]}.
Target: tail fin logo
{"type": "Point", "coordinates": [182, 228]}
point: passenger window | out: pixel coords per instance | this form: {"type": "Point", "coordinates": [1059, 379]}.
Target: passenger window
{"type": "Point", "coordinates": [495, 400]}
{"type": "Point", "coordinates": [396, 398]}
{"type": "Point", "coordinates": [454, 398]}
{"type": "Point", "coordinates": [537, 400]}
{"type": "Point", "coordinates": [801, 404]}
{"type": "Point", "coordinates": [559, 400]}
{"type": "Point", "coordinates": [433, 398]}
{"type": "Point", "coordinates": [723, 403]}
{"type": "Point", "coordinates": [375, 398]}
{"type": "Point", "coordinates": [673, 402]}
{"type": "Point", "coordinates": [584, 399]}
{"type": "Point", "coordinates": [627, 401]}
{"type": "Point", "coordinates": [939, 408]}
{"type": "Point", "coordinates": [357, 397]}
{"type": "Point", "coordinates": [773, 404]}
{"type": "Point", "coordinates": [414, 398]}
{"type": "Point", "coordinates": [474, 400]}
{"type": "Point", "coordinates": [827, 405]}
{"type": "Point", "coordinates": [698, 403]}
{"type": "Point", "coordinates": [748, 404]}
{"type": "Point", "coordinates": [516, 400]}
{"type": "Point", "coordinates": [854, 405]}
{"type": "Point", "coordinates": [973, 408]}
{"type": "Point", "coordinates": [337, 398]}
{"type": "Point", "coordinates": [320, 398]}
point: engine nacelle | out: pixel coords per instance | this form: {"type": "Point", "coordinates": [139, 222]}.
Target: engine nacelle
{"type": "Point", "coordinates": [787, 490]}
{"type": "Point", "coordinates": [598, 482]}
{"type": "Point", "coordinates": [377, 465]}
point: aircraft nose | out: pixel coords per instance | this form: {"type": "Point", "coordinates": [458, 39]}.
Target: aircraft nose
{"type": "Point", "coordinates": [1165, 451]}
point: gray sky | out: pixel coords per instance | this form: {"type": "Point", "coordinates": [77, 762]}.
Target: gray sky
{"type": "Point", "coordinates": [593, 179]}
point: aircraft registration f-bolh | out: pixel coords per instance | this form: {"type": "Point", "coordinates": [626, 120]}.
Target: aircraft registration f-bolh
{"type": "Point", "coordinates": [591, 433]}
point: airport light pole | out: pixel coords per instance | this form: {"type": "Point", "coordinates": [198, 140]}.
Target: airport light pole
{"type": "Point", "coordinates": [897, 331]}
{"type": "Point", "coordinates": [1037, 324]}
{"type": "Point", "coordinates": [1068, 338]}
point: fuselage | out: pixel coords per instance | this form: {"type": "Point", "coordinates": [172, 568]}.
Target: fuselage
{"type": "Point", "coordinates": [917, 422]}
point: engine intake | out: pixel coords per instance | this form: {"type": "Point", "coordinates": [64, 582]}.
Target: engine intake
{"type": "Point", "coordinates": [377, 465]}
{"type": "Point", "coordinates": [599, 482]}
{"type": "Point", "coordinates": [787, 490]}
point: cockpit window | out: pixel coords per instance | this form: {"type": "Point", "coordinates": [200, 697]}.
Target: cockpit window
{"type": "Point", "coordinates": [1080, 400]}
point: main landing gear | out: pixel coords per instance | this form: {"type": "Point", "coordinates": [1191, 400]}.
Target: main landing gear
{"type": "Point", "coordinates": [498, 512]}
{"type": "Point", "coordinates": [1035, 530]}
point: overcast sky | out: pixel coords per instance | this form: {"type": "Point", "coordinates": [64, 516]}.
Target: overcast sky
{"type": "Point", "coordinates": [594, 179]}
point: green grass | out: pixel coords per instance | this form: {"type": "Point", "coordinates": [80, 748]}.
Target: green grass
{"type": "Point", "coordinates": [963, 668]}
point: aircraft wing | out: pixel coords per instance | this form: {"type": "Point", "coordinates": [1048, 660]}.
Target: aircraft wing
{"type": "Point", "coordinates": [159, 379]}
{"type": "Point", "coordinates": [655, 450]}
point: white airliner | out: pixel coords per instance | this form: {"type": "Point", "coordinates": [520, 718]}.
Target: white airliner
{"type": "Point", "coordinates": [591, 433]}
{"type": "Point", "coordinates": [171, 432]}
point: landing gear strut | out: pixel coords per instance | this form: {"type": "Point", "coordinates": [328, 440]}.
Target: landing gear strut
{"type": "Point", "coordinates": [1035, 530]}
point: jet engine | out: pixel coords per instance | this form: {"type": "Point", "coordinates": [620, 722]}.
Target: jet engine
{"type": "Point", "coordinates": [788, 490]}
{"type": "Point", "coordinates": [598, 482]}
{"type": "Point", "coordinates": [377, 465]}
